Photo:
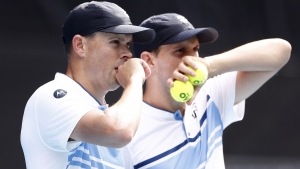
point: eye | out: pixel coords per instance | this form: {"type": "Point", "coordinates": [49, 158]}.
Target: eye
{"type": "Point", "coordinates": [180, 50]}
{"type": "Point", "coordinates": [196, 48]}
{"type": "Point", "coordinates": [117, 42]}
{"type": "Point", "coordinates": [129, 44]}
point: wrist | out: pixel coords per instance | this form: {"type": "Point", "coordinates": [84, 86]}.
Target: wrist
{"type": "Point", "coordinates": [211, 68]}
{"type": "Point", "coordinates": [218, 64]}
{"type": "Point", "coordinates": [136, 79]}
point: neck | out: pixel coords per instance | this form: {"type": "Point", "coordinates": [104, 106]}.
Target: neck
{"type": "Point", "coordinates": [83, 79]}
{"type": "Point", "coordinates": [159, 97]}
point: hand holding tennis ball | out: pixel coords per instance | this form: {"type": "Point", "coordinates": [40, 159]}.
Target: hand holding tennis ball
{"type": "Point", "coordinates": [182, 91]}
{"type": "Point", "coordinates": [201, 74]}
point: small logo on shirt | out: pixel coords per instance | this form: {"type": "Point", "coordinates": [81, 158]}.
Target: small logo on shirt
{"type": "Point", "coordinates": [59, 93]}
{"type": "Point", "coordinates": [194, 114]}
{"type": "Point", "coordinates": [195, 111]}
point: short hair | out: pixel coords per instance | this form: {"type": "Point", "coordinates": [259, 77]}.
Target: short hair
{"type": "Point", "coordinates": [156, 50]}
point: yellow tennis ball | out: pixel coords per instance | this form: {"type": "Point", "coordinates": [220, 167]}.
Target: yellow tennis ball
{"type": "Point", "coordinates": [182, 91]}
{"type": "Point", "coordinates": [201, 74]}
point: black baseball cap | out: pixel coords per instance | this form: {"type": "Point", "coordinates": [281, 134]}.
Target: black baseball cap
{"type": "Point", "coordinates": [172, 28]}
{"type": "Point", "coordinates": [91, 17]}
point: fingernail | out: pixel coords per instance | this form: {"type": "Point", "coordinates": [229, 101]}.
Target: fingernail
{"type": "Point", "coordinates": [193, 74]}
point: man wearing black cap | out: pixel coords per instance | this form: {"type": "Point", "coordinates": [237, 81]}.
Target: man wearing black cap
{"type": "Point", "coordinates": [67, 123]}
{"type": "Point", "coordinates": [180, 135]}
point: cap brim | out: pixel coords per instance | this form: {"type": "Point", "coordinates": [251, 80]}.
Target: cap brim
{"type": "Point", "coordinates": [205, 35]}
{"type": "Point", "coordinates": [139, 34]}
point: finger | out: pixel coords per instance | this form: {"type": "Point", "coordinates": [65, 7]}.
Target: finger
{"type": "Point", "coordinates": [185, 70]}
{"type": "Point", "coordinates": [146, 68]}
{"type": "Point", "coordinates": [170, 82]}
{"type": "Point", "coordinates": [179, 76]}
{"type": "Point", "coordinates": [190, 61]}
{"type": "Point", "coordinates": [201, 60]}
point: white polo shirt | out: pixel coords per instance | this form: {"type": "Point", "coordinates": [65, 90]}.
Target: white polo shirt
{"type": "Point", "coordinates": [50, 116]}
{"type": "Point", "coordinates": [166, 140]}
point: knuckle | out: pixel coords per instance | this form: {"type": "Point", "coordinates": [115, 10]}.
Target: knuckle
{"type": "Point", "coordinates": [185, 58]}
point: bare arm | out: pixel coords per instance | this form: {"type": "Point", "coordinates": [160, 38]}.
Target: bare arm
{"type": "Point", "coordinates": [116, 126]}
{"type": "Point", "coordinates": [256, 62]}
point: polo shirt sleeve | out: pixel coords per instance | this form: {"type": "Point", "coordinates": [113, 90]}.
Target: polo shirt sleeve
{"type": "Point", "coordinates": [127, 158]}
{"type": "Point", "coordinates": [222, 90]}
{"type": "Point", "coordinates": [56, 118]}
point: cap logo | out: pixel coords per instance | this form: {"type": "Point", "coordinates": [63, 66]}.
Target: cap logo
{"type": "Point", "coordinates": [59, 93]}
{"type": "Point", "coordinates": [183, 20]}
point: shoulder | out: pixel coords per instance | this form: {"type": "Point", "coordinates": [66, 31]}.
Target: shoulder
{"type": "Point", "coordinates": [51, 90]}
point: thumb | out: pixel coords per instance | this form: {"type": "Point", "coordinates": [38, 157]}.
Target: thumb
{"type": "Point", "coordinates": [146, 68]}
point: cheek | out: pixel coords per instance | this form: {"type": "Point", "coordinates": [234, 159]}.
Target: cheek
{"type": "Point", "coordinates": [98, 61]}
{"type": "Point", "coordinates": [95, 58]}
{"type": "Point", "coordinates": [173, 64]}
{"type": "Point", "coordinates": [166, 69]}
{"type": "Point", "coordinates": [168, 64]}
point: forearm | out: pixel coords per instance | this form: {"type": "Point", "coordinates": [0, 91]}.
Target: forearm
{"type": "Point", "coordinates": [130, 105]}
{"type": "Point", "coordinates": [263, 55]}
{"type": "Point", "coordinates": [115, 126]}
{"type": "Point", "coordinates": [125, 114]}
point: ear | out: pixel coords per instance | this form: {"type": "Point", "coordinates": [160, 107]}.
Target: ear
{"type": "Point", "coordinates": [77, 43]}
{"type": "Point", "coordinates": [148, 58]}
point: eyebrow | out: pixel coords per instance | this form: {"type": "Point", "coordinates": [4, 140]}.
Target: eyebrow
{"type": "Point", "coordinates": [181, 45]}
{"type": "Point", "coordinates": [185, 44]}
{"type": "Point", "coordinates": [120, 38]}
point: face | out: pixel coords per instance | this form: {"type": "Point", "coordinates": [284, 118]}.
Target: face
{"type": "Point", "coordinates": [105, 52]}
{"type": "Point", "coordinates": [169, 56]}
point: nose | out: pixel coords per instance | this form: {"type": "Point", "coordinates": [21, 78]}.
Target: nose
{"type": "Point", "coordinates": [126, 54]}
{"type": "Point", "coordinates": [193, 53]}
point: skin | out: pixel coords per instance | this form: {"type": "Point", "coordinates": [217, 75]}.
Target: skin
{"type": "Point", "coordinates": [256, 63]}
{"type": "Point", "coordinates": [102, 63]}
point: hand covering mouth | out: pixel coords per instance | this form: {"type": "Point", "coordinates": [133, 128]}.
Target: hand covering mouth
{"type": "Point", "coordinates": [117, 67]}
